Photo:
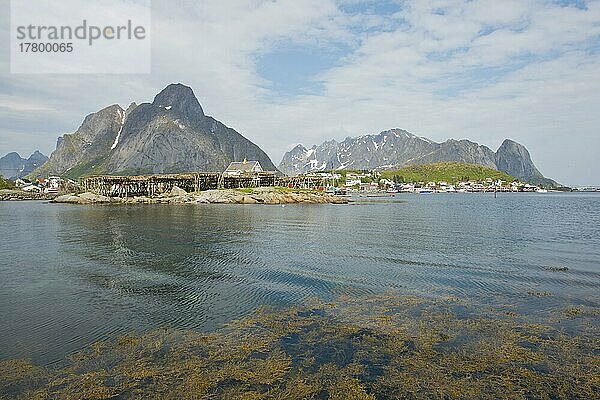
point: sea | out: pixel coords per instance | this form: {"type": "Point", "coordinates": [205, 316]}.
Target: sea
{"type": "Point", "coordinates": [73, 275]}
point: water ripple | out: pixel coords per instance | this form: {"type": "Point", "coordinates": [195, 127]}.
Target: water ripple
{"type": "Point", "coordinates": [102, 271]}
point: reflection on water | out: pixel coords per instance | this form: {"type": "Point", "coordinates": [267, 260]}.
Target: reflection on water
{"type": "Point", "coordinates": [73, 275]}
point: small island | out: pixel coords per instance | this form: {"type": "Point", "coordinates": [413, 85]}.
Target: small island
{"type": "Point", "coordinates": [277, 195]}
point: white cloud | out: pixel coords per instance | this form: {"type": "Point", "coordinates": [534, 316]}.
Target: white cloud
{"type": "Point", "coordinates": [17, 104]}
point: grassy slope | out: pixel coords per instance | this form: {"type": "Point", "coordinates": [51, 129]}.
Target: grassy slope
{"type": "Point", "coordinates": [6, 184]}
{"type": "Point", "coordinates": [450, 172]}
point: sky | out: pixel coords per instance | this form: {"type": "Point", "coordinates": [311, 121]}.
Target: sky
{"type": "Point", "coordinates": [283, 72]}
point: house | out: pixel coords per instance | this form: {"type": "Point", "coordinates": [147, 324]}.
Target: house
{"type": "Point", "coordinates": [243, 168]}
{"type": "Point", "coordinates": [54, 181]}
{"type": "Point", "coordinates": [386, 183]}
{"type": "Point", "coordinates": [31, 188]}
{"type": "Point", "coordinates": [20, 183]}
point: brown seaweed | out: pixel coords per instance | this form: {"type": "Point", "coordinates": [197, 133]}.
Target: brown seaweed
{"type": "Point", "coordinates": [378, 347]}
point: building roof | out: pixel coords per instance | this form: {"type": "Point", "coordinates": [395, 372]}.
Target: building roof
{"type": "Point", "coordinates": [242, 166]}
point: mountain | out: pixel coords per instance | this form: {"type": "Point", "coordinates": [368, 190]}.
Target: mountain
{"type": "Point", "coordinates": [396, 148]}
{"type": "Point", "coordinates": [513, 158]}
{"type": "Point", "coordinates": [13, 166]}
{"type": "Point", "coordinates": [171, 134]}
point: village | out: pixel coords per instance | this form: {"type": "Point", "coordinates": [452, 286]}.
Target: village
{"type": "Point", "coordinates": [371, 182]}
{"type": "Point", "coordinates": [249, 174]}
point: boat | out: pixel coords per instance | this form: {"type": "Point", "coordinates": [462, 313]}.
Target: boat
{"type": "Point", "coordinates": [540, 190]}
{"type": "Point", "coordinates": [425, 191]}
{"type": "Point", "coordinates": [335, 191]}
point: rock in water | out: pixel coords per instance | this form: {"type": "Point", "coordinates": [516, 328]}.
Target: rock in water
{"type": "Point", "coordinates": [94, 198]}
{"type": "Point", "coordinates": [229, 196]}
{"type": "Point", "coordinates": [83, 198]}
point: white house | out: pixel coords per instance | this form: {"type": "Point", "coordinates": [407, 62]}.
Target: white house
{"type": "Point", "coordinates": [352, 182]}
{"type": "Point", "coordinates": [240, 168]}
{"type": "Point", "coordinates": [31, 188]}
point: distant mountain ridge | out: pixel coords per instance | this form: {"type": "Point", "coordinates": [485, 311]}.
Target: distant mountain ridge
{"type": "Point", "coordinates": [13, 166]}
{"type": "Point", "coordinates": [172, 134]}
{"type": "Point", "coordinates": [396, 148]}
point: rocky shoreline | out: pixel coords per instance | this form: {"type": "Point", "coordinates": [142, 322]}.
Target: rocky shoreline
{"type": "Point", "coordinates": [18, 195]}
{"type": "Point", "coordinates": [229, 196]}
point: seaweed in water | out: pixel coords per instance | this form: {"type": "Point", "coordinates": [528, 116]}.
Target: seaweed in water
{"type": "Point", "coordinates": [378, 347]}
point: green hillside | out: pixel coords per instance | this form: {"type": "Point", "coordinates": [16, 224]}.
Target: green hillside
{"type": "Point", "coordinates": [6, 184]}
{"type": "Point", "coordinates": [450, 172]}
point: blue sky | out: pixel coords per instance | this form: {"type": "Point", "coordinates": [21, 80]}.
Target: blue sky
{"type": "Point", "coordinates": [285, 72]}
{"type": "Point", "coordinates": [383, 7]}
{"type": "Point", "coordinates": [293, 70]}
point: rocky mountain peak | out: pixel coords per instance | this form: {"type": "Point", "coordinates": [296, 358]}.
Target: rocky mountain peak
{"type": "Point", "coordinates": [101, 123]}
{"type": "Point", "coordinates": [106, 112]}
{"type": "Point", "coordinates": [514, 158]}
{"type": "Point", "coordinates": [131, 107]}
{"type": "Point", "coordinates": [179, 99]}
{"type": "Point", "coordinates": [12, 157]}
{"type": "Point", "coordinates": [298, 148]}
{"type": "Point", "coordinates": [397, 132]}
{"type": "Point", "coordinates": [396, 148]}
{"type": "Point", "coordinates": [508, 141]}
{"type": "Point", "coordinates": [510, 148]}
{"type": "Point", "coordinates": [169, 135]}
{"type": "Point", "coordinates": [13, 166]}
{"type": "Point", "coordinates": [37, 157]}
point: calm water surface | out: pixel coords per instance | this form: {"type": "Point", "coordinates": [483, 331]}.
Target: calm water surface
{"type": "Point", "coordinates": [72, 275]}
